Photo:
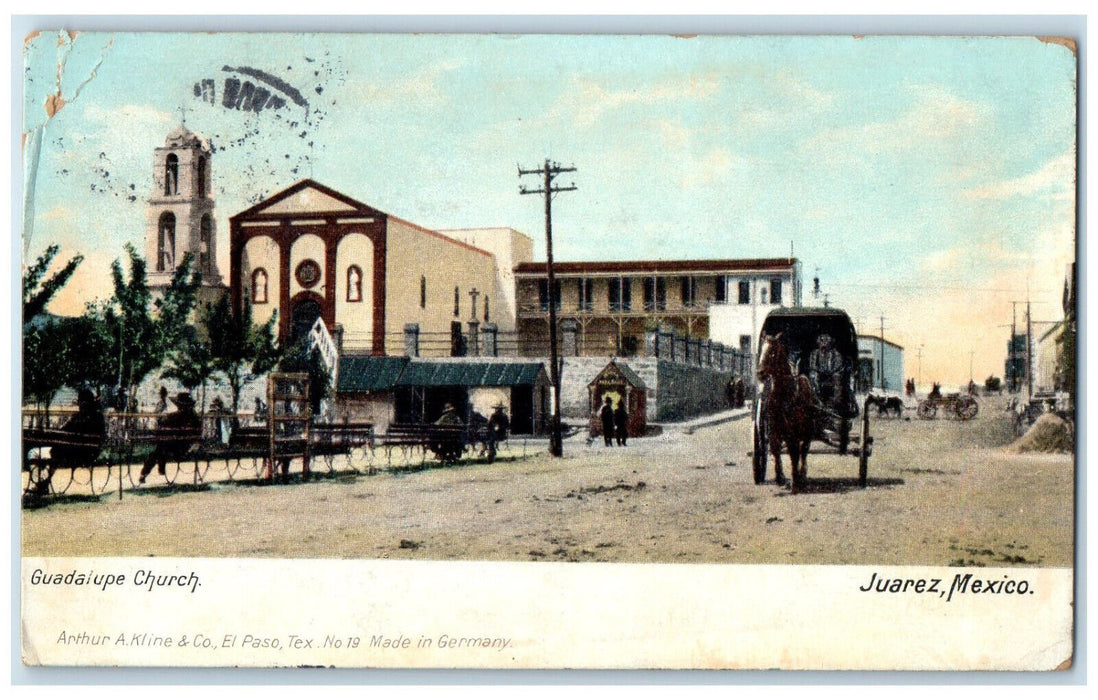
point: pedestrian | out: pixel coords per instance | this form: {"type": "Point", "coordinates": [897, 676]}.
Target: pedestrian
{"type": "Point", "coordinates": [621, 423]}
{"type": "Point", "coordinates": [221, 426]}
{"type": "Point", "coordinates": [498, 424]}
{"type": "Point", "coordinates": [607, 416]}
{"type": "Point", "coordinates": [88, 428]}
{"type": "Point", "coordinates": [449, 447]}
{"type": "Point", "coordinates": [174, 435]}
{"type": "Point", "coordinates": [162, 402]}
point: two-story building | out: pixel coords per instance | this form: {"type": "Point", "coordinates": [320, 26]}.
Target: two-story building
{"type": "Point", "coordinates": [614, 303]}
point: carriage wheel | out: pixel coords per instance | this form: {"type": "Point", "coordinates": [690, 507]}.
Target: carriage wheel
{"type": "Point", "coordinates": [99, 484]}
{"type": "Point", "coordinates": [927, 410]}
{"type": "Point", "coordinates": [758, 457]}
{"type": "Point", "coordinates": [863, 452]}
{"type": "Point", "coordinates": [844, 435]}
{"type": "Point", "coordinates": [968, 408]}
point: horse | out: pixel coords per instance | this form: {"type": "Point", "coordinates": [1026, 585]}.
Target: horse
{"type": "Point", "coordinates": [790, 410]}
{"type": "Point", "coordinates": [888, 404]}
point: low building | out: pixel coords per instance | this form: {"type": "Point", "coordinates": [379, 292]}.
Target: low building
{"type": "Point", "coordinates": [384, 390]}
{"type": "Point", "coordinates": [880, 365]}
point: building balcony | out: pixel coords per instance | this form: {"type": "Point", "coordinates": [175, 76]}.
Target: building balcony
{"type": "Point", "coordinates": [536, 309]}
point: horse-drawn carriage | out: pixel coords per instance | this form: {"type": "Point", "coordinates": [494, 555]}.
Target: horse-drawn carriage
{"type": "Point", "coordinates": [959, 406]}
{"type": "Point", "coordinates": [806, 393]}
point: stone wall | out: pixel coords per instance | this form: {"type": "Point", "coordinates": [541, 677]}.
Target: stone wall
{"type": "Point", "coordinates": [687, 391]}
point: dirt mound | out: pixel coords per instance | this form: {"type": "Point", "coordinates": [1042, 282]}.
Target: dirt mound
{"type": "Point", "coordinates": [1049, 434]}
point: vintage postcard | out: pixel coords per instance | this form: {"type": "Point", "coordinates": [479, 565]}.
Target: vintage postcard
{"type": "Point", "coordinates": [548, 351]}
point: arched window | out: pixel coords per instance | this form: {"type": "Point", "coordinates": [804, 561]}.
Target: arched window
{"type": "Point", "coordinates": [165, 243]}
{"type": "Point", "coordinates": [201, 175]}
{"type": "Point", "coordinates": [486, 317]}
{"type": "Point", "coordinates": [205, 243]}
{"type": "Point", "coordinates": [259, 286]}
{"type": "Point", "coordinates": [354, 283]}
{"type": "Point", "coordinates": [171, 174]}
{"type": "Point", "coordinates": [422, 292]}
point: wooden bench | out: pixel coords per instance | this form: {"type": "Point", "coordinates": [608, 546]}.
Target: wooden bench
{"type": "Point", "coordinates": [446, 441]}
{"type": "Point", "coordinates": [40, 469]}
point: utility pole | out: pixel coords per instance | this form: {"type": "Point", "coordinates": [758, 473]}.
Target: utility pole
{"type": "Point", "coordinates": [1029, 358]}
{"type": "Point", "coordinates": [548, 171]}
{"type": "Point", "coordinates": [882, 366]}
{"type": "Point", "coordinates": [920, 375]}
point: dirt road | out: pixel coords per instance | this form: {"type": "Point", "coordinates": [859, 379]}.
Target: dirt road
{"type": "Point", "coordinates": [940, 492]}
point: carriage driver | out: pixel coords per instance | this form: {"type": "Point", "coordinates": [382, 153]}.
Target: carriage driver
{"type": "Point", "coordinates": [825, 369]}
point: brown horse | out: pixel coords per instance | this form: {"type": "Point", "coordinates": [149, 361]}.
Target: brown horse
{"type": "Point", "coordinates": [789, 409]}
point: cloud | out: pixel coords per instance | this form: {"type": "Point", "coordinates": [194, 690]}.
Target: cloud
{"type": "Point", "coordinates": [1056, 177]}
{"type": "Point", "coordinates": [422, 86]}
{"type": "Point", "coordinates": [588, 101]}
{"type": "Point", "coordinates": [130, 115]}
{"type": "Point", "coordinates": [935, 116]}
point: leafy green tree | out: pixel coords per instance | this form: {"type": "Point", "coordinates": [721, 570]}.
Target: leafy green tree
{"type": "Point", "coordinates": [46, 356]}
{"type": "Point", "coordinates": [240, 350]}
{"type": "Point", "coordinates": [192, 365]}
{"type": "Point", "coordinates": [144, 329]}
{"type": "Point", "coordinates": [36, 293]}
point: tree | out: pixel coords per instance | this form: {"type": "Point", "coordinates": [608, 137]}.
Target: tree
{"type": "Point", "coordinates": [36, 293]}
{"type": "Point", "coordinates": [46, 350]}
{"type": "Point", "coordinates": [143, 338]}
{"type": "Point", "coordinates": [45, 358]}
{"type": "Point", "coordinates": [192, 366]}
{"type": "Point", "coordinates": [239, 349]}
{"type": "Point", "coordinates": [993, 384]}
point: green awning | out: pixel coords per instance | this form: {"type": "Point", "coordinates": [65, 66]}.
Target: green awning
{"type": "Point", "coordinates": [471, 374]}
{"type": "Point", "coordinates": [367, 373]}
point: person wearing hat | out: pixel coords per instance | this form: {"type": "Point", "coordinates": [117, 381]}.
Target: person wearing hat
{"type": "Point", "coordinates": [606, 415]}
{"type": "Point", "coordinates": [499, 422]}
{"type": "Point", "coordinates": [88, 429]}
{"type": "Point", "coordinates": [825, 369]}
{"type": "Point", "coordinates": [175, 433]}
{"type": "Point", "coordinates": [450, 448]}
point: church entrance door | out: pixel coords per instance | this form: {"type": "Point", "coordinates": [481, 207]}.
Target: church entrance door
{"type": "Point", "coordinates": [304, 315]}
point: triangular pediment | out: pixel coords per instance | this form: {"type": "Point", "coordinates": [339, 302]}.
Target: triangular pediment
{"type": "Point", "coordinates": [308, 200]}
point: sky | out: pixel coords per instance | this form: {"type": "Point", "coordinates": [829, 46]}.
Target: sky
{"type": "Point", "coordinates": [928, 181]}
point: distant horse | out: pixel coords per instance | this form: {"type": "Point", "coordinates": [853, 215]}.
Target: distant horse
{"type": "Point", "coordinates": [888, 404]}
{"type": "Point", "coordinates": [789, 408]}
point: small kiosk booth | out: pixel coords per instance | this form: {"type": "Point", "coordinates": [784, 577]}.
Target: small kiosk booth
{"type": "Point", "coordinates": [618, 380]}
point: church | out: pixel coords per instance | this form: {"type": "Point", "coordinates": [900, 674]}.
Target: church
{"type": "Point", "coordinates": [311, 252]}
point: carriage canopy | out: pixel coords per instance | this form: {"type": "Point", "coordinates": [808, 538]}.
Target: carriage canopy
{"type": "Point", "coordinates": [801, 327]}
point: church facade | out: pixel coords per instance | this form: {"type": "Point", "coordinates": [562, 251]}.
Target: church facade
{"type": "Point", "coordinates": [311, 252]}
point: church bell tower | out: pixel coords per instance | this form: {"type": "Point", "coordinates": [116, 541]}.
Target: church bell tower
{"type": "Point", "coordinates": [179, 213]}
